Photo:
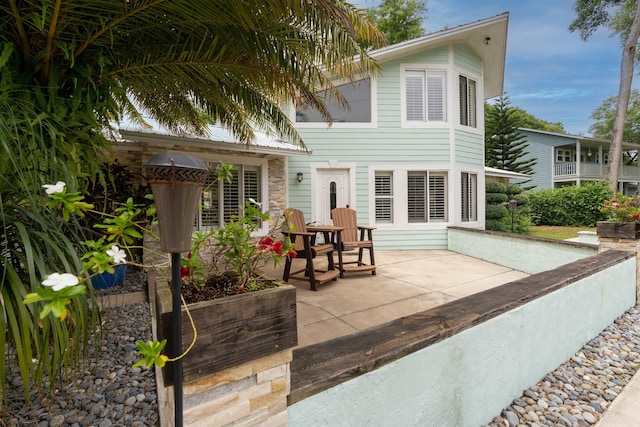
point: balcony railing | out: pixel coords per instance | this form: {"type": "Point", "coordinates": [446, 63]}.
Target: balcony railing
{"type": "Point", "coordinates": [591, 170]}
{"type": "Point", "coordinates": [565, 169]}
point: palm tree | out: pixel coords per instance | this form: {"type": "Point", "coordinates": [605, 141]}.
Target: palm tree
{"type": "Point", "coordinates": [238, 62]}
{"type": "Point", "coordinates": [70, 68]}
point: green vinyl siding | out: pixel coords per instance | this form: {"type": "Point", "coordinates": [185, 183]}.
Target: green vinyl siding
{"type": "Point", "coordinates": [466, 59]}
{"type": "Point", "coordinates": [404, 240]}
{"type": "Point", "coordinates": [386, 143]}
{"type": "Point", "coordinates": [469, 148]}
{"type": "Point", "coordinates": [438, 55]}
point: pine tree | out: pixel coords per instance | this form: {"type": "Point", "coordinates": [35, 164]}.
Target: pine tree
{"type": "Point", "coordinates": [505, 145]}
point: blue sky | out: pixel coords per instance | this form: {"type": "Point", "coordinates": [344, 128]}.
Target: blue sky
{"type": "Point", "coordinates": [550, 72]}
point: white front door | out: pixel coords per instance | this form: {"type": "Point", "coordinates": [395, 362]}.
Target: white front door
{"type": "Point", "coordinates": [332, 192]}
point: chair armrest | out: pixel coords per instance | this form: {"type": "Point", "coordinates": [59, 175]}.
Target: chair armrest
{"type": "Point", "coordinates": [366, 227]}
{"type": "Point", "coordinates": [298, 233]}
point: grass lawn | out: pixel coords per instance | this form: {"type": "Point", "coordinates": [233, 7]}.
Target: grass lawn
{"type": "Point", "coordinates": [557, 232]}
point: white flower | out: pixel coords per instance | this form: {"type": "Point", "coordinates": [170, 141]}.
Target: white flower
{"type": "Point", "coordinates": [117, 254]}
{"type": "Point", "coordinates": [58, 187]}
{"type": "Point", "coordinates": [258, 204]}
{"type": "Point", "coordinates": [59, 281]}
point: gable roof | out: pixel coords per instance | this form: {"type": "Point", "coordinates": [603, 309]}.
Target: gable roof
{"type": "Point", "coordinates": [487, 37]}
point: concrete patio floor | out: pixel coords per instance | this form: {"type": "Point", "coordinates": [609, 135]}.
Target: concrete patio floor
{"type": "Point", "coordinates": [406, 282]}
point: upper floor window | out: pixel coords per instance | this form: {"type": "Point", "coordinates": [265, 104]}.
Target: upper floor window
{"type": "Point", "coordinates": [468, 113]}
{"type": "Point", "coordinates": [221, 200]}
{"type": "Point", "coordinates": [563, 155]}
{"type": "Point", "coordinates": [425, 96]}
{"type": "Point", "coordinates": [358, 110]}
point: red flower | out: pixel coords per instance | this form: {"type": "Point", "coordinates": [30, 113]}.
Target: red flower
{"type": "Point", "coordinates": [278, 247]}
{"type": "Point", "coordinates": [636, 217]}
{"type": "Point", "coordinates": [185, 271]}
{"type": "Point", "coordinates": [265, 243]}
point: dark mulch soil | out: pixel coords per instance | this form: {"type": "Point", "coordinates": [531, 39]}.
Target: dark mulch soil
{"type": "Point", "coordinates": [221, 286]}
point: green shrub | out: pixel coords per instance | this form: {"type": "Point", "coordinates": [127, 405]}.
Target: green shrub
{"type": "Point", "coordinates": [496, 198]}
{"type": "Point", "coordinates": [570, 206]}
{"type": "Point", "coordinates": [495, 187]}
{"type": "Point", "coordinates": [495, 225]}
{"type": "Point", "coordinates": [496, 211]}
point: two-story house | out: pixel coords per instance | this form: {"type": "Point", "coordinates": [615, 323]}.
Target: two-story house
{"type": "Point", "coordinates": [408, 155]}
{"type": "Point", "coordinates": [564, 159]}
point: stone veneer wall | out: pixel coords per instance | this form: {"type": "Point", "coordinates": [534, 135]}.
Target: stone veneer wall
{"type": "Point", "coordinates": [251, 394]}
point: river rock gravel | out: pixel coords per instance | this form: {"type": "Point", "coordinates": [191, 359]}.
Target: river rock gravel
{"type": "Point", "coordinates": [578, 393]}
{"type": "Point", "coordinates": [108, 391]}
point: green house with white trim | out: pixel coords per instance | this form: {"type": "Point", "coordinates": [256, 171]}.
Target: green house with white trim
{"type": "Point", "coordinates": [408, 155]}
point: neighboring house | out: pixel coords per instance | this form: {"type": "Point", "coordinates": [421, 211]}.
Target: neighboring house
{"type": "Point", "coordinates": [409, 153]}
{"type": "Point", "coordinates": [564, 159]}
{"type": "Point", "coordinates": [259, 173]}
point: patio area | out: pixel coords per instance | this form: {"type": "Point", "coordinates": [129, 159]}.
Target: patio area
{"type": "Point", "coordinates": [406, 282]}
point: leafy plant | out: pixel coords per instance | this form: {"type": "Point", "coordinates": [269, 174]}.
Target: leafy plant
{"type": "Point", "coordinates": [622, 208]}
{"type": "Point", "coordinates": [234, 254]}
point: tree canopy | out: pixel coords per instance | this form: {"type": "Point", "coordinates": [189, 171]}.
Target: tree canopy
{"type": "Point", "coordinates": [604, 115]}
{"type": "Point", "coordinates": [623, 17]}
{"type": "Point", "coordinates": [399, 20]}
{"type": "Point", "coordinates": [236, 62]}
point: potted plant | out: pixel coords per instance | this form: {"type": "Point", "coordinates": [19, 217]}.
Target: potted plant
{"type": "Point", "coordinates": [623, 218]}
{"type": "Point", "coordinates": [238, 313]}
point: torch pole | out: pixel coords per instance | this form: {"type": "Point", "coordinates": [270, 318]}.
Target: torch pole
{"type": "Point", "coordinates": [177, 336]}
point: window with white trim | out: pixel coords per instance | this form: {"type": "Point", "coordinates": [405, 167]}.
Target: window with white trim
{"type": "Point", "coordinates": [468, 113]}
{"type": "Point", "coordinates": [426, 196]}
{"type": "Point", "coordinates": [384, 197]}
{"type": "Point", "coordinates": [221, 200]}
{"type": "Point", "coordinates": [469, 197]}
{"type": "Point", "coordinates": [358, 108]}
{"type": "Point", "coordinates": [422, 198]}
{"type": "Point", "coordinates": [563, 155]}
{"type": "Point", "coordinates": [425, 96]}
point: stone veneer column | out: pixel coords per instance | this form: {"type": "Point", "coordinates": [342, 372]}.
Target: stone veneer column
{"type": "Point", "coordinates": [251, 394]}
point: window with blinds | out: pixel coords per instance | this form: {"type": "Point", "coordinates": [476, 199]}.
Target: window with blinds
{"type": "Point", "coordinates": [437, 197]}
{"type": "Point", "coordinates": [426, 197]}
{"type": "Point", "coordinates": [467, 102]}
{"type": "Point", "coordinates": [425, 96]}
{"type": "Point", "coordinates": [220, 201]}
{"type": "Point", "coordinates": [469, 197]}
{"type": "Point", "coordinates": [384, 197]}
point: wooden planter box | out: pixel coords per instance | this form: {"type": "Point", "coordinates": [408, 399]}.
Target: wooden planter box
{"type": "Point", "coordinates": [231, 331]}
{"type": "Point", "coordinates": [618, 230]}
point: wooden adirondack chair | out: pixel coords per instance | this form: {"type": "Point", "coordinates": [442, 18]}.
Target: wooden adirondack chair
{"type": "Point", "coordinates": [304, 243]}
{"type": "Point", "coordinates": [345, 218]}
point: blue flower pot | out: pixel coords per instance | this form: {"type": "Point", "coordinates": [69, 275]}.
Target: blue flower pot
{"type": "Point", "coordinates": [107, 280]}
